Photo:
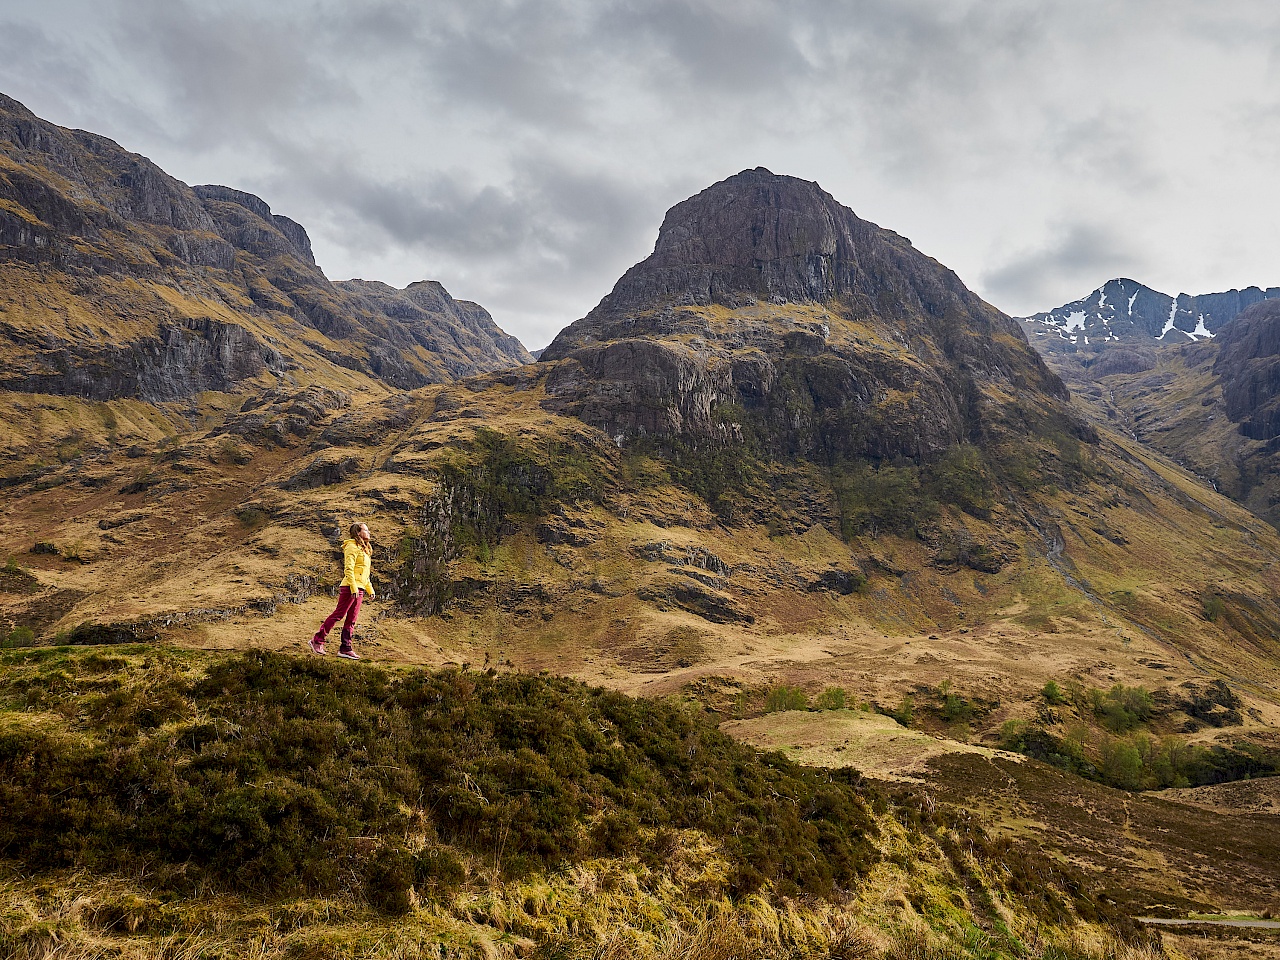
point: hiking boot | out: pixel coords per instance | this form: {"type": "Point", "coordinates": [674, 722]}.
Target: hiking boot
{"type": "Point", "coordinates": [348, 654]}
{"type": "Point", "coordinates": [317, 644]}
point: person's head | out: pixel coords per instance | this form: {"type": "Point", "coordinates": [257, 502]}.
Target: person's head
{"type": "Point", "coordinates": [359, 532]}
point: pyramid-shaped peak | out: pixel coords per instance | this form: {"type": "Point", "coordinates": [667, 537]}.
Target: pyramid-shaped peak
{"type": "Point", "coordinates": [761, 237]}
{"type": "Point", "coordinates": [756, 218]}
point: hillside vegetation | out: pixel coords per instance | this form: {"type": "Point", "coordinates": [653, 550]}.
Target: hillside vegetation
{"type": "Point", "coordinates": [172, 805]}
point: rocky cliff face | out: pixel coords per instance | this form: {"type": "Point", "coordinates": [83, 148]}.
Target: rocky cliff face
{"type": "Point", "coordinates": [116, 280]}
{"type": "Point", "coordinates": [769, 309]}
{"type": "Point", "coordinates": [1248, 367]}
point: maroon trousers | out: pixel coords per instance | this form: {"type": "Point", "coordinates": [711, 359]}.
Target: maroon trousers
{"type": "Point", "coordinates": [347, 610]}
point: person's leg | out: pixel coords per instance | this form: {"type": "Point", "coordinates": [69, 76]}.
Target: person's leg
{"type": "Point", "coordinates": [349, 625]}
{"type": "Point", "coordinates": [345, 601]}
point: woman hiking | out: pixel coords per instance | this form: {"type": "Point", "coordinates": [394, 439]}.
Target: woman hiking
{"type": "Point", "coordinates": [357, 564]}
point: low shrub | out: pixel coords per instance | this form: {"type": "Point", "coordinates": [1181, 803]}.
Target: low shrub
{"type": "Point", "coordinates": [832, 698]}
{"type": "Point", "coordinates": [782, 697]}
{"type": "Point", "coordinates": [275, 773]}
{"type": "Point", "coordinates": [20, 637]}
{"type": "Point", "coordinates": [1122, 708]}
{"type": "Point", "coordinates": [1053, 694]}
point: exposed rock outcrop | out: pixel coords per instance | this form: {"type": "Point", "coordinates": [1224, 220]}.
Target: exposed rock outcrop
{"type": "Point", "coordinates": [1248, 366]}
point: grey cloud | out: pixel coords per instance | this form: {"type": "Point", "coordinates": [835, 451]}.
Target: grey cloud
{"type": "Point", "coordinates": [548, 210]}
{"type": "Point", "coordinates": [1109, 145]}
{"type": "Point", "coordinates": [1077, 258]}
{"type": "Point", "coordinates": [523, 62]}
{"type": "Point", "coordinates": [228, 72]}
{"type": "Point", "coordinates": [738, 48]}
{"type": "Point", "coordinates": [49, 76]}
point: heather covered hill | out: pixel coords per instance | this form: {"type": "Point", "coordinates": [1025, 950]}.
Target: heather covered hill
{"type": "Point", "coordinates": [118, 281]}
{"type": "Point", "coordinates": [294, 807]}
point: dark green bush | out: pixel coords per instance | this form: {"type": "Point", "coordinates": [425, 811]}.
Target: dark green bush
{"type": "Point", "coordinates": [1122, 708]}
{"type": "Point", "coordinates": [832, 698]}
{"type": "Point", "coordinates": [273, 772]}
{"type": "Point", "coordinates": [783, 697]}
{"type": "Point", "coordinates": [1214, 608]}
{"type": "Point", "coordinates": [1053, 694]}
{"type": "Point", "coordinates": [1142, 762]}
{"type": "Point", "coordinates": [20, 637]}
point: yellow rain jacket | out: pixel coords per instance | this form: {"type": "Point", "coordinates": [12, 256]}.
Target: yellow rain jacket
{"type": "Point", "coordinates": [356, 567]}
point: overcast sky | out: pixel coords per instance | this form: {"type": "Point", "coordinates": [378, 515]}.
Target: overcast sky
{"type": "Point", "coordinates": [524, 153]}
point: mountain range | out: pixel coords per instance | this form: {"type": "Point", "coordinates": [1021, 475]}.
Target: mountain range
{"type": "Point", "coordinates": [788, 457]}
{"type": "Point", "coordinates": [1125, 310]}
{"type": "Point", "coordinates": [1206, 399]}
{"type": "Point", "coordinates": [120, 281]}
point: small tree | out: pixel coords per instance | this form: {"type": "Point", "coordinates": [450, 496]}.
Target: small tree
{"type": "Point", "coordinates": [1053, 694]}
{"type": "Point", "coordinates": [832, 698]}
{"type": "Point", "coordinates": [20, 637]}
{"type": "Point", "coordinates": [783, 697]}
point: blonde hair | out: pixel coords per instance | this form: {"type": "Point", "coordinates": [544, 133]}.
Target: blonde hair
{"type": "Point", "coordinates": [354, 533]}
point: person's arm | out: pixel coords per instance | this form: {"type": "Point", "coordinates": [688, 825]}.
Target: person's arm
{"type": "Point", "coordinates": [349, 565]}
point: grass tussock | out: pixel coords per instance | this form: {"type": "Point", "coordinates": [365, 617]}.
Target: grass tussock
{"type": "Point", "coordinates": [593, 911]}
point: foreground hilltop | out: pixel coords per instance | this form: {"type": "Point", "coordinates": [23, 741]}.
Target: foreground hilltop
{"type": "Point", "coordinates": [118, 281]}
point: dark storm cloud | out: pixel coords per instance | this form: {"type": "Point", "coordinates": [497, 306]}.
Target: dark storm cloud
{"type": "Point", "coordinates": [1078, 256]}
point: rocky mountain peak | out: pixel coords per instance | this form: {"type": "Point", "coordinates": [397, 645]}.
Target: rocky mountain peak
{"type": "Point", "coordinates": [763, 237]}
{"type": "Point", "coordinates": [1126, 310]}
{"type": "Point", "coordinates": [754, 235]}
{"type": "Point", "coordinates": [759, 239]}
{"type": "Point", "coordinates": [771, 310]}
